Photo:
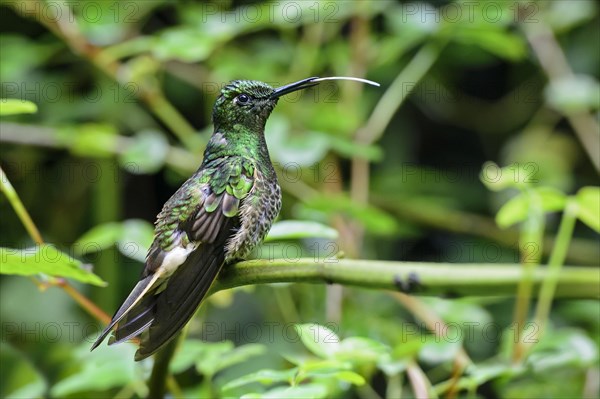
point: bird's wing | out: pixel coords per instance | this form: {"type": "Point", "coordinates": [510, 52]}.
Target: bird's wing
{"type": "Point", "coordinates": [186, 256]}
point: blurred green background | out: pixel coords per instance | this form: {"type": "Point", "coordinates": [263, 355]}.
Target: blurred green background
{"type": "Point", "coordinates": [125, 91]}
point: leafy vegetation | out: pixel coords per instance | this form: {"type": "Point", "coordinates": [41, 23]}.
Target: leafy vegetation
{"type": "Point", "coordinates": [475, 163]}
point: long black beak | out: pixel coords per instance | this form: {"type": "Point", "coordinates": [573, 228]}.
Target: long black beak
{"type": "Point", "coordinates": [315, 80]}
{"type": "Point", "coordinates": [292, 87]}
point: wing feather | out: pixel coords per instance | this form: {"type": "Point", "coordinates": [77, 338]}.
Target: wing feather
{"type": "Point", "coordinates": [188, 252]}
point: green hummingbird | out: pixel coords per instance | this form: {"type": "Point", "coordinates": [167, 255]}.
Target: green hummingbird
{"type": "Point", "coordinates": [217, 216]}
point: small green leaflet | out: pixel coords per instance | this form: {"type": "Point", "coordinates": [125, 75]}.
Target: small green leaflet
{"type": "Point", "coordinates": [297, 229]}
{"type": "Point", "coordinates": [12, 106]}
{"type": "Point", "coordinates": [588, 206]}
{"type": "Point", "coordinates": [518, 208]}
{"type": "Point", "coordinates": [45, 259]}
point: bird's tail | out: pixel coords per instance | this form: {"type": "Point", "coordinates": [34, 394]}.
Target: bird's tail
{"type": "Point", "coordinates": [164, 307]}
{"type": "Point", "coordinates": [176, 305]}
{"type": "Point", "coordinates": [132, 302]}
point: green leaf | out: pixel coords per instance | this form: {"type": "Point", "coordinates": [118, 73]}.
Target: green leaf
{"type": "Point", "coordinates": [20, 378]}
{"type": "Point", "coordinates": [459, 311]}
{"type": "Point", "coordinates": [373, 219]}
{"type": "Point", "coordinates": [11, 106]}
{"type": "Point", "coordinates": [518, 208]}
{"type": "Point", "coordinates": [567, 347]}
{"type": "Point", "coordinates": [98, 238]}
{"type": "Point", "coordinates": [391, 366]}
{"type": "Point", "coordinates": [231, 358]}
{"type": "Point", "coordinates": [45, 259]}
{"type": "Point", "coordinates": [347, 147]}
{"type": "Point", "coordinates": [298, 229]}
{"type": "Point", "coordinates": [265, 377]}
{"type": "Point", "coordinates": [319, 366]}
{"type": "Point", "coordinates": [107, 367]}
{"type": "Point", "coordinates": [193, 351]}
{"type": "Point", "coordinates": [92, 139]}
{"type": "Point", "coordinates": [133, 238]}
{"type": "Point", "coordinates": [136, 238]}
{"type": "Point", "coordinates": [561, 16]}
{"type": "Point", "coordinates": [482, 373]}
{"type": "Point", "coordinates": [332, 373]}
{"type": "Point", "coordinates": [513, 211]}
{"type": "Point", "coordinates": [318, 339]}
{"type": "Point", "coordinates": [212, 357]}
{"type": "Point", "coordinates": [553, 200]}
{"type": "Point", "coordinates": [498, 42]}
{"type": "Point", "coordinates": [572, 94]}
{"type": "Point", "coordinates": [296, 392]}
{"type": "Point", "coordinates": [439, 349]}
{"type": "Point", "coordinates": [147, 154]}
{"type": "Point", "coordinates": [186, 44]}
{"type": "Point", "coordinates": [588, 204]}
{"type": "Point", "coordinates": [516, 175]}
{"type": "Point", "coordinates": [329, 369]}
{"type": "Point", "coordinates": [408, 348]}
{"type": "Point", "coordinates": [349, 376]}
{"type": "Point", "coordinates": [292, 151]}
{"type": "Point", "coordinates": [361, 350]}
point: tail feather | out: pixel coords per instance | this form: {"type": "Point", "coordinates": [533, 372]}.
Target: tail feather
{"type": "Point", "coordinates": [176, 305]}
{"type": "Point", "coordinates": [141, 288]}
{"type": "Point", "coordinates": [132, 333]}
{"type": "Point", "coordinates": [139, 318]}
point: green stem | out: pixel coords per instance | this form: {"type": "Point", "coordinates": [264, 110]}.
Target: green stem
{"type": "Point", "coordinates": [160, 370]}
{"type": "Point", "coordinates": [286, 304]}
{"type": "Point", "coordinates": [15, 202]}
{"type": "Point", "coordinates": [554, 63]}
{"type": "Point", "coordinates": [420, 383]}
{"type": "Point", "coordinates": [530, 243]}
{"type": "Point", "coordinates": [481, 279]}
{"type": "Point", "coordinates": [397, 92]}
{"type": "Point", "coordinates": [34, 233]}
{"type": "Point", "coordinates": [106, 204]}
{"type": "Point", "coordinates": [169, 115]}
{"type": "Point", "coordinates": [557, 259]}
{"type": "Point", "coordinates": [394, 387]}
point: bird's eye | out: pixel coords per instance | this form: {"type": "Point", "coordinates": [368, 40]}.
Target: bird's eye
{"type": "Point", "coordinates": [242, 99]}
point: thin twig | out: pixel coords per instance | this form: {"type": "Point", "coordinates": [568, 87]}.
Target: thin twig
{"type": "Point", "coordinates": [66, 29]}
{"type": "Point", "coordinates": [418, 380]}
{"type": "Point", "coordinates": [530, 246]}
{"type": "Point", "coordinates": [557, 259]}
{"type": "Point", "coordinates": [397, 92]}
{"type": "Point", "coordinates": [554, 63]}
{"type": "Point", "coordinates": [15, 201]}
{"type": "Point", "coordinates": [83, 301]}
{"type": "Point", "coordinates": [433, 322]}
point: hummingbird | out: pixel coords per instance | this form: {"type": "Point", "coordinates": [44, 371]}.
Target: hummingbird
{"type": "Point", "coordinates": [217, 216]}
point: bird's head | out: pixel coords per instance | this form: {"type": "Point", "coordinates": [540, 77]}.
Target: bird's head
{"type": "Point", "coordinates": [250, 102]}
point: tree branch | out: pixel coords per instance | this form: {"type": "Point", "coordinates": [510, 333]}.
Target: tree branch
{"type": "Point", "coordinates": [480, 279]}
